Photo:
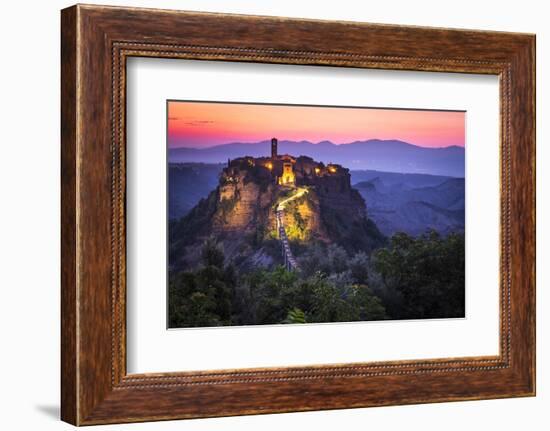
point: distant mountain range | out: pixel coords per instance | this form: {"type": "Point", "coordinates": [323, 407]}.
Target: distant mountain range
{"type": "Point", "coordinates": [373, 154]}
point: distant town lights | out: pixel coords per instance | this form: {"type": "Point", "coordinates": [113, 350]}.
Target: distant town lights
{"type": "Point", "coordinates": [332, 169]}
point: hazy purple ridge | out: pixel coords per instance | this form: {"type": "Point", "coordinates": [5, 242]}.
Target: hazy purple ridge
{"type": "Point", "coordinates": [373, 154]}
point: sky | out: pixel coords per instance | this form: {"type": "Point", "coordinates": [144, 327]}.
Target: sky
{"type": "Point", "coordinates": [206, 124]}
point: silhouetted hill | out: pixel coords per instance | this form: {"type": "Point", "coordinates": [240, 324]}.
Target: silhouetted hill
{"type": "Point", "coordinates": [373, 154]}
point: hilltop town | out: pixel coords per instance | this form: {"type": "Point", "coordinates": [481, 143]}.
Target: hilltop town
{"type": "Point", "coordinates": [289, 171]}
{"type": "Point", "coordinates": [245, 212]}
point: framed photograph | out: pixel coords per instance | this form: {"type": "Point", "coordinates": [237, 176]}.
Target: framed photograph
{"type": "Point", "coordinates": [264, 214]}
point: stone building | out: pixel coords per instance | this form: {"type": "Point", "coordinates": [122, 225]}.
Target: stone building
{"type": "Point", "coordinates": [281, 166]}
{"type": "Point", "coordinates": [289, 171]}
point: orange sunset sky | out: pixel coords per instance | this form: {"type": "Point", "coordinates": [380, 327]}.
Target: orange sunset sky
{"type": "Point", "coordinates": [205, 124]}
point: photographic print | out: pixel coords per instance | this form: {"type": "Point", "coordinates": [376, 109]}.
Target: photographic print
{"type": "Point", "coordinates": [300, 214]}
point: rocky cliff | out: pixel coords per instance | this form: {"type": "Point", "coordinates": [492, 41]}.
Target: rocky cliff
{"type": "Point", "coordinates": [241, 213]}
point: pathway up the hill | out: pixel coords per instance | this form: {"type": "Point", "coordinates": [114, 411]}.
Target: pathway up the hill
{"type": "Point", "coordinates": [289, 259]}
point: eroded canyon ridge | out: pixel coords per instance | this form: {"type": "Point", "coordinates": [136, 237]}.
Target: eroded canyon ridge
{"type": "Point", "coordinates": [285, 239]}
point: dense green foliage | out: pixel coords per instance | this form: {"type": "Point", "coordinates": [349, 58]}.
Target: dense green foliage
{"type": "Point", "coordinates": [412, 278]}
{"type": "Point", "coordinates": [422, 277]}
{"type": "Point", "coordinates": [215, 295]}
{"type": "Point", "coordinates": [203, 297]}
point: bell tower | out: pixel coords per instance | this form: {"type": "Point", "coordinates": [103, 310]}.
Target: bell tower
{"type": "Point", "coordinates": [273, 148]}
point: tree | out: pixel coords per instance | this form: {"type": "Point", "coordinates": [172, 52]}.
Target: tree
{"type": "Point", "coordinates": [270, 294]}
{"type": "Point", "coordinates": [212, 253]}
{"type": "Point", "coordinates": [295, 316]}
{"type": "Point", "coordinates": [314, 259]}
{"type": "Point", "coordinates": [203, 297]}
{"type": "Point", "coordinates": [338, 258]}
{"type": "Point", "coordinates": [369, 306]}
{"type": "Point", "coordinates": [358, 266]}
{"type": "Point", "coordinates": [331, 302]}
{"type": "Point", "coordinates": [427, 274]}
